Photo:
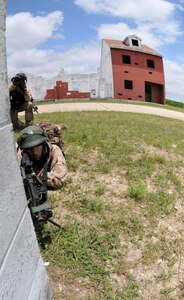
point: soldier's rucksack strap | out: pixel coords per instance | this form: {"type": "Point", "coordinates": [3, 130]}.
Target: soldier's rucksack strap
{"type": "Point", "coordinates": [44, 178]}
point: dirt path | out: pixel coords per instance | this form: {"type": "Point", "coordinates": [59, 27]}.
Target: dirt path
{"type": "Point", "coordinates": [111, 107]}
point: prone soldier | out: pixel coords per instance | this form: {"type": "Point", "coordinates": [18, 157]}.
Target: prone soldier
{"type": "Point", "coordinates": [45, 157]}
{"type": "Point", "coordinates": [43, 166]}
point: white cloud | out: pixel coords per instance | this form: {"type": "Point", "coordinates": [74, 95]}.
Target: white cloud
{"type": "Point", "coordinates": [48, 63]}
{"type": "Point", "coordinates": [58, 36]}
{"type": "Point", "coordinates": [154, 35]}
{"type": "Point", "coordinates": [120, 30]}
{"type": "Point", "coordinates": [174, 77]}
{"type": "Point", "coordinates": [25, 31]}
{"type": "Point", "coordinates": [31, 60]}
{"type": "Point", "coordinates": [154, 20]}
{"type": "Point", "coordinates": [181, 5]}
{"type": "Point", "coordinates": [141, 10]}
{"type": "Point", "coordinates": [81, 58]}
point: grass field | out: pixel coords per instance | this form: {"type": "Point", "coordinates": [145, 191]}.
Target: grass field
{"type": "Point", "coordinates": [121, 210]}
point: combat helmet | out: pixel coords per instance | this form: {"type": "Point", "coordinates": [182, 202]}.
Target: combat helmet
{"type": "Point", "coordinates": [31, 136]}
{"type": "Point", "coordinates": [19, 76]}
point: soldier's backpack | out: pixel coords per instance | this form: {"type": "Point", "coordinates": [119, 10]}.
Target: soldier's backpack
{"type": "Point", "coordinates": [54, 132]}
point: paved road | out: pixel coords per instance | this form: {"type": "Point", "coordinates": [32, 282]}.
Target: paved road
{"type": "Point", "coordinates": [111, 107]}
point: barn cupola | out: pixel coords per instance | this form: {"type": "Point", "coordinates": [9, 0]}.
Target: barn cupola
{"type": "Point", "coordinates": [132, 41]}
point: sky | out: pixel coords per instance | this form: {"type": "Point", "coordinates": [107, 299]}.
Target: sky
{"type": "Point", "coordinates": [43, 36]}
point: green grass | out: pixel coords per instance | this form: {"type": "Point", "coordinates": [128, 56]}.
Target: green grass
{"type": "Point", "coordinates": [122, 207]}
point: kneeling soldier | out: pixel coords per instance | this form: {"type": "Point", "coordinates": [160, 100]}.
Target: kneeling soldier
{"type": "Point", "coordinates": [20, 100]}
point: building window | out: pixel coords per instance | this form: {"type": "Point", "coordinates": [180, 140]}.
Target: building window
{"type": "Point", "coordinates": [128, 84]}
{"type": "Point", "coordinates": [135, 43]}
{"type": "Point", "coordinates": [150, 63]}
{"type": "Point", "coordinates": [93, 92]}
{"type": "Point", "coordinates": [126, 59]}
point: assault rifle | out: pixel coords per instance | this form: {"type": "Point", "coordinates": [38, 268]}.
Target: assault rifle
{"type": "Point", "coordinates": [36, 194]}
{"type": "Point", "coordinates": [35, 108]}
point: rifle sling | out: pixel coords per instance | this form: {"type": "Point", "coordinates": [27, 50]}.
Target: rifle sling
{"type": "Point", "coordinates": [44, 177]}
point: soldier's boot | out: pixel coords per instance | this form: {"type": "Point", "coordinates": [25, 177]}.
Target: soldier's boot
{"type": "Point", "coordinates": [21, 124]}
{"type": "Point", "coordinates": [29, 123]}
{"type": "Point", "coordinates": [14, 119]}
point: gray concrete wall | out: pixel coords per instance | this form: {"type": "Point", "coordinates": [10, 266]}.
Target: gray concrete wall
{"type": "Point", "coordinates": [105, 89]}
{"type": "Point", "coordinates": [22, 273]}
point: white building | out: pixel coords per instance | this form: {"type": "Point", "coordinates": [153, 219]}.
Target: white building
{"type": "Point", "coordinates": [80, 82]}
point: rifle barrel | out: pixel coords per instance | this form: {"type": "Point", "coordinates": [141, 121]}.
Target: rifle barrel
{"type": "Point", "coordinates": [54, 223]}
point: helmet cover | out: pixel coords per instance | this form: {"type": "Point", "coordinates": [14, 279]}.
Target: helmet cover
{"type": "Point", "coordinates": [31, 136]}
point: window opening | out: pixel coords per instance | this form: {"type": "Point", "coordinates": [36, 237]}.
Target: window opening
{"type": "Point", "coordinates": [126, 59]}
{"type": "Point", "coordinates": [150, 63]}
{"type": "Point", "coordinates": [128, 84]}
{"type": "Point", "coordinates": [135, 43]}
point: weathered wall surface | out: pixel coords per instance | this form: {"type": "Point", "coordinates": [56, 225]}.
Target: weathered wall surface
{"type": "Point", "coordinates": [22, 273]}
{"type": "Point", "coordinates": [105, 89]}
{"type": "Point", "coordinates": [80, 82]}
{"type": "Point", "coordinates": [139, 73]}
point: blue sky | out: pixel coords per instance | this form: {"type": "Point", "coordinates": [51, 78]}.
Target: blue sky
{"type": "Point", "coordinates": [44, 36]}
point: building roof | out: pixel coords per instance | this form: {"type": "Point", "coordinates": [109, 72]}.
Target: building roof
{"type": "Point", "coordinates": [117, 44]}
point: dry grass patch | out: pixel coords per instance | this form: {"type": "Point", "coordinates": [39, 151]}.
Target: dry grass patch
{"type": "Point", "coordinates": [122, 208]}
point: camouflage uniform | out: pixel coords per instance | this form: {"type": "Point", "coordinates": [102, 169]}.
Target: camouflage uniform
{"type": "Point", "coordinates": [57, 169]}
{"type": "Point", "coordinates": [27, 106]}
{"type": "Point", "coordinates": [47, 161]}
